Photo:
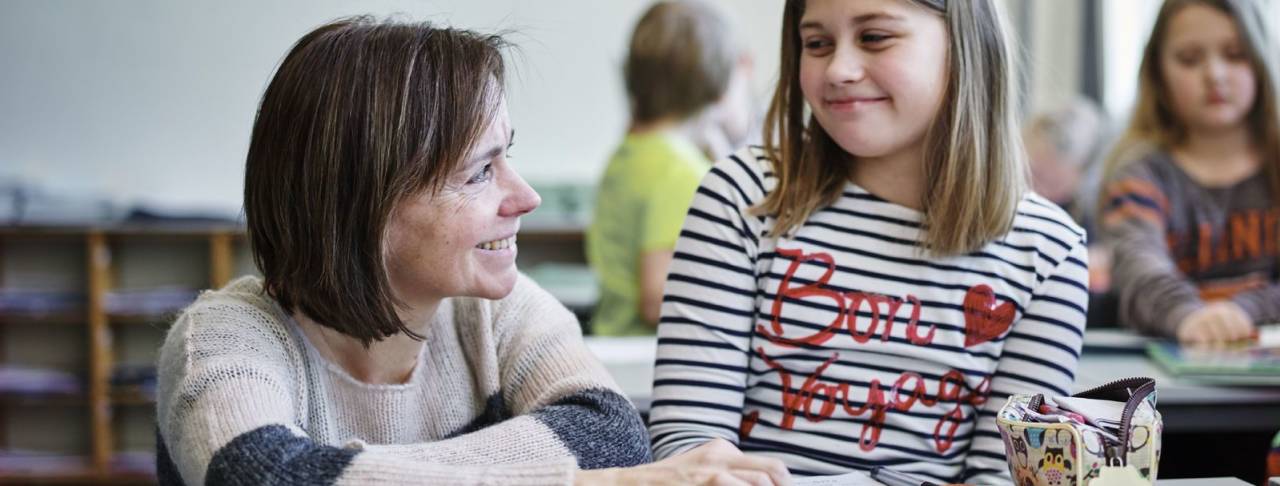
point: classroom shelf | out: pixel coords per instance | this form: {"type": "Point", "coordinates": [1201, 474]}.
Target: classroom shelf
{"type": "Point", "coordinates": [43, 400]}
{"type": "Point", "coordinates": [58, 318]}
{"type": "Point", "coordinates": [75, 470]}
{"type": "Point", "coordinates": [120, 397]}
{"type": "Point", "coordinates": [100, 266]}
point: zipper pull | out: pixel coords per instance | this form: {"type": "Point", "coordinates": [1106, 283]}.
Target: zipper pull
{"type": "Point", "coordinates": [1115, 455]}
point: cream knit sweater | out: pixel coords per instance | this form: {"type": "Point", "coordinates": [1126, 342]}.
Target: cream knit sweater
{"type": "Point", "coordinates": [505, 392]}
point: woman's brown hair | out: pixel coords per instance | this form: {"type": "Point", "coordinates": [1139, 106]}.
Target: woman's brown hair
{"type": "Point", "coordinates": [974, 167]}
{"type": "Point", "coordinates": [360, 115]}
{"type": "Point", "coordinates": [1154, 126]}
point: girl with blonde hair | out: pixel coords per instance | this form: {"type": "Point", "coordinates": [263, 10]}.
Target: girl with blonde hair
{"type": "Point", "coordinates": [867, 288]}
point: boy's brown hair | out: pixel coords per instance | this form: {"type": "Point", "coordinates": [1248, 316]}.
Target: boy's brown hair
{"type": "Point", "coordinates": [681, 58]}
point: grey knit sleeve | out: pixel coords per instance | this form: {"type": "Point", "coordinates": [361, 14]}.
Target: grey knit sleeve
{"type": "Point", "coordinates": [1154, 294]}
{"type": "Point", "coordinates": [226, 410]}
{"type": "Point", "coordinates": [548, 373]}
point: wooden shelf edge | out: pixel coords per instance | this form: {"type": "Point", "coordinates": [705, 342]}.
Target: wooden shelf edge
{"type": "Point", "coordinates": [86, 476]}
{"type": "Point", "coordinates": [69, 318]}
{"type": "Point", "coordinates": [119, 397]}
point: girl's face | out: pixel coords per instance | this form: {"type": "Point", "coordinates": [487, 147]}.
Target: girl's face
{"type": "Point", "coordinates": [873, 72]}
{"type": "Point", "coordinates": [462, 240]}
{"type": "Point", "coordinates": [1206, 68]}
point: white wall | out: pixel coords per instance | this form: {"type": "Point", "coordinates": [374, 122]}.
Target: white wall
{"type": "Point", "coordinates": [1125, 28]}
{"type": "Point", "coordinates": [1126, 25]}
{"type": "Point", "coordinates": [153, 100]}
{"type": "Point", "coordinates": [1055, 52]}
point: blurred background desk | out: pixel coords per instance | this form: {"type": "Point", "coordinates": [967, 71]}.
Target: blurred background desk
{"type": "Point", "coordinates": [1187, 406]}
{"type": "Point", "coordinates": [1210, 430]}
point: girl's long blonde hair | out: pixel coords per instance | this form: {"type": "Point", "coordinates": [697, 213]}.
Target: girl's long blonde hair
{"type": "Point", "coordinates": [1154, 126]}
{"type": "Point", "coordinates": [974, 165]}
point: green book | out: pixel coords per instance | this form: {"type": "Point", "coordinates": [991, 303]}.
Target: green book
{"type": "Point", "coordinates": [1243, 365]}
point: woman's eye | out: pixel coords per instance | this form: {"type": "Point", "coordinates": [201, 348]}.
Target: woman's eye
{"type": "Point", "coordinates": [483, 175]}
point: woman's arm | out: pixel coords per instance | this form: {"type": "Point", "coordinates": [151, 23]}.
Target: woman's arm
{"type": "Point", "coordinates": [226, 415]}
{"type": "Point", "coordinates": [549, 375]}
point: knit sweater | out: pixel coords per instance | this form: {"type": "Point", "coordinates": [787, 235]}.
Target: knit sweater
{"type": "Point", "coordinates": [842, 347]}
{"type": "Point", "coordinates": [504, 392]}
{"type": "Point", "coordinates": [1179, 244]}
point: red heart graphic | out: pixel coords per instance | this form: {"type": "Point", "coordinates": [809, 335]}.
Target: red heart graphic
{"type": "Point", "coordinates": [983, 319]}
{"type": "Point", "coordinates": [748, 423]}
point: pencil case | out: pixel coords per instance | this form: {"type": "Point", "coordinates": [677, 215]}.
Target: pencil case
{"type": "Point", "coordinates": [1075, 451]}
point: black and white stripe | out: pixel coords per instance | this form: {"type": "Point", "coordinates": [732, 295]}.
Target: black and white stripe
{"type": "Point", "coordinates": [724, 283]}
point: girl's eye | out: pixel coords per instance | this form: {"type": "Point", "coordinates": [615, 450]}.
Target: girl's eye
{"type": "Point", "coordinates": [483, 175]}
{"type": "Point", "coordinates": [874, 38]}
{"type": "Point", "coordinates": [816, 45]}
{"type": "Point", "coordinates": [1188, 59]}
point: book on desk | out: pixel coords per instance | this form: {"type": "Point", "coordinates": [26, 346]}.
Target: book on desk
{"type": "Point", "coordinates": [1255, 363]}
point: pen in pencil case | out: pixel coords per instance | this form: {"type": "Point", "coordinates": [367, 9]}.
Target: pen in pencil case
{"type": "Point", "coordinates": [894, 478]}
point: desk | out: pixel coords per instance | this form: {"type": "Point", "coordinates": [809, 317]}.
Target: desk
{"type": "Point", "coordinates": [1186, 407]}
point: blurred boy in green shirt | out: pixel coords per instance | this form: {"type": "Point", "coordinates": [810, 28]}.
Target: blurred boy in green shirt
{"type": "Point", "coordinates": [687, 80]}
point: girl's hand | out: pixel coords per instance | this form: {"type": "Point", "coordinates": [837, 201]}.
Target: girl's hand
{"type": "Point", "coordinates": [1215, 324]}
{"type": "Point", "coordinates": [716, 463]}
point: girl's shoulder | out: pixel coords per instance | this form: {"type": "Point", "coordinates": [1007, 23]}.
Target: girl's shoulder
{"type": "Point", "coordinates": [1152, 165]}
{"type": "Point", "coordinates": [746, 176]}
{"type": "Point", "coordinates": [1046, 226]}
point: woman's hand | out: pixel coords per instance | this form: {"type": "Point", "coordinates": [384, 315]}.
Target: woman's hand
{"type": "Point", "coordinates": [1215, 324]}
{"type": "Point", "coordinates": [716, 463]}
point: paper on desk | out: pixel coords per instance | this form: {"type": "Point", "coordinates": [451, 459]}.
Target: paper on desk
{"type": "Point", "coordinates": [1091, 409]}
{"type": "Point", "coordinates": [1269, 336]}
{"type": "Point", "coordinates": [853, 478]}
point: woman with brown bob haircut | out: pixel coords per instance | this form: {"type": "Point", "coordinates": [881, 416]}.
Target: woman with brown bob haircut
{"type": "Point", "coordinates": [391, 338]}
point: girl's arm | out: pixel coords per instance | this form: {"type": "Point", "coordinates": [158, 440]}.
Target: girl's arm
{"type": "Point", "coordinates": [1040, 356]}
{"type": "Point", "coordinates": [1154, 295]}
{"type": "Point", "coordinates": [704, 337]}
{"type": "Point", "coordinates": [1262, 305]}
{"type": "Point", "coordinates": [664, 215]}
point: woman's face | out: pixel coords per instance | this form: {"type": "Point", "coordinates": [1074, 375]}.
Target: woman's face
{"type": "Point", "coordinates": [873, 72]}
{"type": "Point", "coordinates": [1206, 68]}
{"type": "Point", "coordinates": [462, 240]}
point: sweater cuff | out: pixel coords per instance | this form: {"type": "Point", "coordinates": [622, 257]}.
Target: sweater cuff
{"type": "Point", "coordinates": [1251, 304]}
{"type": "Point", "coordinates": [1174, 317]}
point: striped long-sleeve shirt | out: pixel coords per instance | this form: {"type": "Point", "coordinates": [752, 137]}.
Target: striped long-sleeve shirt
{"type": "Point", "coordinates": [504, 392]}
{"type": "Point", "coordinates": [843, 346]}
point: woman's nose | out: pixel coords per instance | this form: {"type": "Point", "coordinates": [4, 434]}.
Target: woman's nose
{"type": "Point", "coordinates": [521, 198]}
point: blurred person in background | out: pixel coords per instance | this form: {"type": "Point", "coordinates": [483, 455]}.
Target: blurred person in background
{"type": "Point", "coordinates": [1065, 148]}
{"type": "Point", "coordinates": [687, 77]}
{"type": "Point", "coordinates": [1192, 195]}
